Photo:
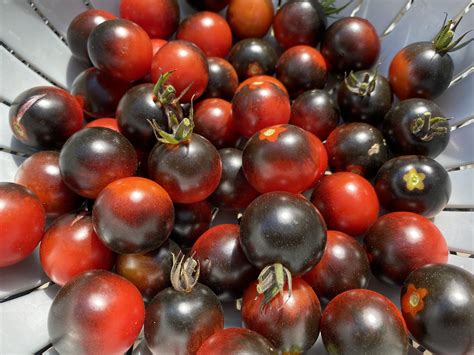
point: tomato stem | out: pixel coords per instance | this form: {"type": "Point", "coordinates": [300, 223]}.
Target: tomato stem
{"type": "Point", "coordinates": [426, 127]}
{"type": "Point", "coordinates": [364, 87]}
{"type": "Point", "coordinates": [330, 8]}
{"type": "Point", "coordinates": [184, 273]}
{"type": "Point", "coordinates": [271, 281]}
{"type": "Point", "coordinates": [443, 41]}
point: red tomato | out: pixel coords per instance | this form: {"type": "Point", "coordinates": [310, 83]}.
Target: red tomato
{"type": "Point", "coordinates": [156, 44]}
{"type": "Point", "coordinates": [323, 157]}
{"type": "Point", "coordinates": [250, 18]}
{"type": "Point", "coordinates": [104, 122]}
{"type": "Point", "coordinates": [258, 78]}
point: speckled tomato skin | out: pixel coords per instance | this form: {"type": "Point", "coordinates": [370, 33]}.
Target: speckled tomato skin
{"type": "Point", "coordinates": [444, 323]}
{"type": "Point", "coordinates": [400, 242]}
{"type": "Point", "coordinates": [133, 215]}
{"type": "Point", "coordinates": [363, 321]}
{"type": "Point", "coordinates": [224, 266]}
{"type": "Point", "coordinates": [191, 220]}
{"type": "Point", "coordinates": [96, 312]}
{"type": "Point", "coordinates": [253, 56]}
{"type": "Point", "coordinates": [250, 18]}
{"type": "Point", "coordinates": [223, 79]}
{"type": "Point", "coordinates": [345, 257]}
{"type": "Point", "coordinates": [291, 324]}
{"type": "Point", "coordinates": [22, 222]}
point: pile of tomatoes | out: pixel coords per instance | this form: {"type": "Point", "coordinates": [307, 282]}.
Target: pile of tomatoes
{"type": "Point", "coordinates": [189, 117]}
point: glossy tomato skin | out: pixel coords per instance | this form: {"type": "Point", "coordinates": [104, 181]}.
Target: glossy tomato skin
{"type": "Point", "coordinates": [191, 220]}
{"type": "Point", "coordinates": [133, 215]}
{"type": "Point", "coordinates": [316, 112]}
{"type": "Point", "coordinates": [207, 30]}
{"type": "Point", "coordinates": [70, 246]}
{"type": "Point", "coordinates": [110, 123]}
{"type": "Point", "coordinates": [40, 173]}
{"type": "Point", "coordinates": [96, 312]}
{"type": "Point", "coordinates": [343, 256]}
{"type": "Point", "coordinates": [81, 27]}
{"type": "Point", "coordinates": [250, 18]}
{"type": "Point", "coordinates": [234, 191]}
{"type": "Point", "coordinates": [259, 78]}
{"type": "Point", "coordinates": [224, 266]}
{"type": "Point", "coordinates": [400, 242]}
{"type": "Point", "coordinates": [347, 202]}
{"type": "Point", "coordinates": [413, 183]}
{"type": "Point", "coordinates": [223, 79]}
{"type": "Point", "coordinates": [44, 117]}
{"type": "Point", "coordinates": [149, 272]}
{"type": "Point", "coordinates": [189, 171]}
{"type": "Point", "coordinates": [159, 18]}
{"type": "Point", "coordinates": [213, 120]}
{"type": "Point", "coordinates": [363, 321]}
{"type": "Point", "coordinates": [266, 236]}
{"type": "Point", "coordinates": [136, 107]}
{"type": "Point", "coordinates": [358, 148]}
{"type": "Point", "coordinates": [290, 323]}
{"type": "Point", "coordinates": [323, 157]}
{"type": "Point", "coordinates": [259, 105]}
{"type": "Point", "coordinates": [94, 157]}
{"type": "Point", "coordinates": [22, 221]}
{"type": "Point", "coordinates": [438, 308]}
{"type": "Point", "coordinates": [121, 49]}
{"type": "Point", "coordinates": [370, 108]}
{"type": "Point", "coordinates": [253, 56]}
{"type": "Point", "coordinates": [299, 23]}
{"type": "Point", "coordinates": [281, 158]}
{"type": "Point", "coordinates": [301, 68]}
{"type": "Point", "coordinates": [179, 322]}
{"type": "Point", "coordinates": [209, 5]}
{"type": "Point", "coordinates": [236, 341]}
{"type": "Point", "coordinates": [418, 70]}
{"type": "Point", "coordinates": [403, 140]}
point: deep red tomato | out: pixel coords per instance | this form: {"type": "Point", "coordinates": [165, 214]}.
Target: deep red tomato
{"type": "Point", "coordinates": [323, 157]}
{"type": "Point", "coordinates": [347, 201]}
{"type": "Point", "coordinates": [223, 79]}
{"type": "Point", "coordinates": [97, 312]}
{"type": "Point", "coordinates": [258, 78]}
{"type": "Point", "coordinates": [110, 123]}
{"type": "Point", "coordinates": [207, 30]}
{"type": "Point", "coordinates": [190, 221]}
{"type": "Point", "coordinates": [159, 18]}
{"type": "Point", "coordinates": [22, 221]}
{"type": "Point", "coordinates": [157, 43]}
{"type": "Point", "coordinates": [189, 63]}
{"type": "Point", "coordinates": [250, 18]}
{"type": "Point", "coordinates": [70, 246]}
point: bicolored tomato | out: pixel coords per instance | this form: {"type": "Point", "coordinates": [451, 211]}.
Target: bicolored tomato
{"type": "Point", "coordinates": [252, 57]}
{"type": "Point", "coordinates": [223, 79]}
{"type": "Point", "coordinates": [190, 222]}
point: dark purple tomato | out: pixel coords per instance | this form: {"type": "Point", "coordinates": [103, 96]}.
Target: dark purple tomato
{"type": "Point", "coordinates": [189, 171]}
{"type": "Point", "coordinates": [149, 272]}
{"type": "Point", "coordinates": [299, 23]}
{"type": "Point", "coordinates": [236, 341]}
{"type": "Point", "coordinates": [316, 112]}
{"type": "Point", "coordinates": [121, 49]}
{"type": "Point", "coordinates": [259, 78]}
{"type": "Point", "coordinates": [223, 79]}
{"type": "Point", "coordinates": [250, 18]}
{"type": "Point", "coordinates": [209, 5]}
{"type": "Point", "coordinates": [358, 148]}
{"type": "Point", "coordinates": [133, 215]}
{"type": "Point", "coordinates": [136, 107]}
{"type": "Point", "coordinates": [344, 266]}
{"type": "Point", "coordinates": [363, 322]}
{"type": "Point", "coordinates": [234, 191]}
{"type": "Point", "coordinates": [259, 105]}
{"type": "Point", "coordinates": [110, 123]}
{"type": "Point", "coordinates": [159, 18]}
{"type": "Point", "coordinates": [22, 221]}
{"type": "Point", "coordinates": [301, 68]}
{"type": "Point", "coordinates": [98, 93]}
{"type": "Point", "coordinates": [416, 126]}
{"type": "Point", "coordinates": [413, 183]}
{"type": "Point", "coordinates": [224, 267]}
{"type": "Point", "coordinates": [438, 308]}
{"type": "Point", "coordinates": [364, 96]}
{"type": "Point", "coordinates": [97, 312]}
{"type": "Point", "coordinates": [401, 242]}
{"type": "Point", "coordinates": [253, 56]}
{"type": "Point", "coordinates": [44, 117]}
{"type": "Point", "coordinates": [190, 221]}
{"type": "Point", "coordinates": [70, 246]}
{"type": "Point", "coordinates": [281, 158]}
{"type": "Point", "coordinates": [93, 158]}
{"type": "Point", "coordinates": [40, 173]}
{"type": "Point", "coordinates": [350, 43]}
{"type": "Point", "coordinates": [285, 228]}
{"type": "Point", "coordinates": [290, 320]}
{"type": "Point", "coordinates": [81, 27]}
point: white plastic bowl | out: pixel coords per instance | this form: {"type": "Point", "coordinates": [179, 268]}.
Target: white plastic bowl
{"type": "Point", "coordinates": [33, 52]}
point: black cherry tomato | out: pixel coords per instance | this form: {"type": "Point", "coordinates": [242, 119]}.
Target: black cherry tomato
{"type": "Point", "coordinates": [253, 56]}
{"type": "Point", "coordinates": [223, 79]}
{"type": "Point", "coordinates": [190, 222]}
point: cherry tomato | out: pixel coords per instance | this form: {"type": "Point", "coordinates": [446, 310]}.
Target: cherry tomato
{"type": "Point", "coordinates": [250, 18]}
{"type": "Point", "coordinates": [253, 56]}
{"type": "Point", "coordinates": [22, 221]}
{"type": "Point", "coordinates": [97, 312]}
{"type": "Point", "coordinates": [45, 117]}
{"type": "Point", "coordinates": [156, 44]}
{"type": "Point", "coordinates": [223, 80]}
{"type": "Point", "coordinates": [159, 18]}
{"type": "Point", "coordinates": [258, 78]}
{"type": "Point", "coordinates": [110, 123]}
{"type": "Point", "coordinates": [347, 201]}
{"type": "Point", "coordinates": [120, 48]}
{"type": "Point", "coordinates": [191, 220]}
{"type": "Point", "coordinates": [323, 157]}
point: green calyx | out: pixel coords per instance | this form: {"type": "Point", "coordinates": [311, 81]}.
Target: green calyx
{"type": "Point", "coordinates": [362, 87]}
{"type": "Point", "coordinates": [330, 8]}
{"type": "Point", "coordinates": [426, 127]}
{"type": "Point", "coordinates": [444, 41]}
{"type": "Point", "coordinates": [271, 281]}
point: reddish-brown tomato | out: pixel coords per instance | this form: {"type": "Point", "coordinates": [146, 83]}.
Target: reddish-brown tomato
{"type": "Point", "coordinates": [250, 18]}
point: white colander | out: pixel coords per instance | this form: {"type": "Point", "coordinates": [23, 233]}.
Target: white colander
{"type": "Point", "coordinates": [34, 52]}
